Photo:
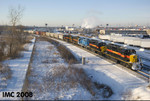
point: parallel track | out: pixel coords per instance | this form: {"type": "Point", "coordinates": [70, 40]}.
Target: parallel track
{"type": "Point", "coordinates": [146, 67]}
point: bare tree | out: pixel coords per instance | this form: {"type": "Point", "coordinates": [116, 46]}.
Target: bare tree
{"type": "Point", "coordinates": [15, 15]}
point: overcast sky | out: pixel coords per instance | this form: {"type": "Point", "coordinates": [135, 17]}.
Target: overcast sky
{"type": "Point", "coordinates": [68, 12]}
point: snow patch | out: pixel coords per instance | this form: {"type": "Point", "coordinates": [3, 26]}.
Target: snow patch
{"type": "Point", "coordinates": [19, 68]}
{"type": "Point", "coordinates": [141, 93]}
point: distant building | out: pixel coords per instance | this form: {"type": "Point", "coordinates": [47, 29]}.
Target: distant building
{"type": "Point", "coordinates": [69, 28]}
{"type": "Point", "coordinates": [123, 32]}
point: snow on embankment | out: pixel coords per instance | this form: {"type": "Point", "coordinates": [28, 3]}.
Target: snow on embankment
{"type": "Point", "coordinates": [102, 71]}
{"type": "Point", "coordinates": [19, 68]}
{"type": "Point", "coordinates": [140, 93]}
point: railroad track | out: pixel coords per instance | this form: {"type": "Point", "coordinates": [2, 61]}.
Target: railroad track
{"type": "Point", "coordinates": [146, 75]}
{"type": "Point", "coordinates": [145, 58]}
{"type": "Point", "coordinates": [146, 67]}
{"type": "Point", "coordinates": [142, 74]}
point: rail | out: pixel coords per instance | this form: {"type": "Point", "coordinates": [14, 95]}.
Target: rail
{"type": "Point", "coordinates": [146, 75]}
{"type": "Point", "coordinates": [146, 67]}
{"type": "Point", "coordinates": [28, 70]}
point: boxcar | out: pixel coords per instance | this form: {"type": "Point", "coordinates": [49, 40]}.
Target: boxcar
{"type": "Point", "coordinates": [60, 36]}
{"type": "Point", "coordinates": [56, 35]}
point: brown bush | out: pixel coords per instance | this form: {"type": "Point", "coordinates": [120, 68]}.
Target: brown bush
{"type": "Point", "coordinates": [83, 79]}
{"type": "Point", "coordinates": [106, 90]}
{"type": "Point", "coordinates": [54, 60]}
{"type": "Point", "coordinates": [61, 78]}
{"type": "Point", "coordinates": [46, 61]}
{"type": "Point", "coordinates": [12, 45]}
{"type": "Point", "coordinates": [64, 52]}
{"type": "Point", "coordinates": [51, 47]}
{"type": "Point", "coordinates": [2, 52]}
{"type": "Point", "coordinates": [5, 71]}
{"type": "Point", "coordinates": [68, 78]}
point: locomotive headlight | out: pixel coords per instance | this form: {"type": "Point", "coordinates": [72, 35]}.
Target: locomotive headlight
{"type": "Point", "coordinates": [136, 62]}
{"type": "Point", "coordinates": [136, 66]}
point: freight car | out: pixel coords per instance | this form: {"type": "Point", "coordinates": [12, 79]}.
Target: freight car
{"type": "Point", "coordinates": [47, 33]}
{"type": "Point", "coordinates": [56, 35]}
{"type": "Point", "coordinates": [52, 35]}
{"type": "Point", "coordinates": [60, 36]}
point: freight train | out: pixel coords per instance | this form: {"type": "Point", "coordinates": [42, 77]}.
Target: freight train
{"type": "Point", "coordinates": [124, 56]}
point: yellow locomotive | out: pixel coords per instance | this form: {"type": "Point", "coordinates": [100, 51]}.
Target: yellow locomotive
{"type": "Point", "coordinates": [124, 56]}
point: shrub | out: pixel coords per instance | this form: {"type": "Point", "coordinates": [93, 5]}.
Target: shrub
{"type": "Point", "coordinates": [10, 47]}
{"type": "Point", "coordinates": [54, 60]}
{"type": "Point", "coordinates": [64, 52]}
{"type": "Point", "coordinates": [5, 71]}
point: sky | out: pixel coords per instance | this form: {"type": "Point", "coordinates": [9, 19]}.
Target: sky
{"type": "Point", "coordinates": [78, 12]}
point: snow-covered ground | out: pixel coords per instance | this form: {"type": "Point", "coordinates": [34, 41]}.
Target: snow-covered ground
{"type": "Point", "coordinates": [123, 83]}
{"type": "Point", "coordinates": [48, 79]}
{"type": "Point", "coordinates": [18, 67]}
{"type": "Point", "coordinates": [48, 76]}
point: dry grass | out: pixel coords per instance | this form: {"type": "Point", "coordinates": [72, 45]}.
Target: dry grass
{"type": "Point", "coordinates": [55, 53]}
{"type": "Point", "coordinates": [54, 60]}
{"type": "Point", "coordinates": [61, 79]}
{"type": "Point", "coordinates": [2, 51]}
{"type": "Point", "coordinates": [66, 78]}
{"type": "Point", "coordinates": [5, 71]}
{"type": "Point", "coordinates": [64, 52]}
{"type": "Point", "coordinates": [13, 47]}
{"type": "Point", "coordinates": [105, 90]}
{"type": "Point", "coordinates": [46, 61]}
{"type": "Point", "coordinates": [51, 47]}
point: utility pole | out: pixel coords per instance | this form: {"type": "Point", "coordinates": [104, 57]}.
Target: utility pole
{"type": "Point", "coordinates": [46, 26]}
